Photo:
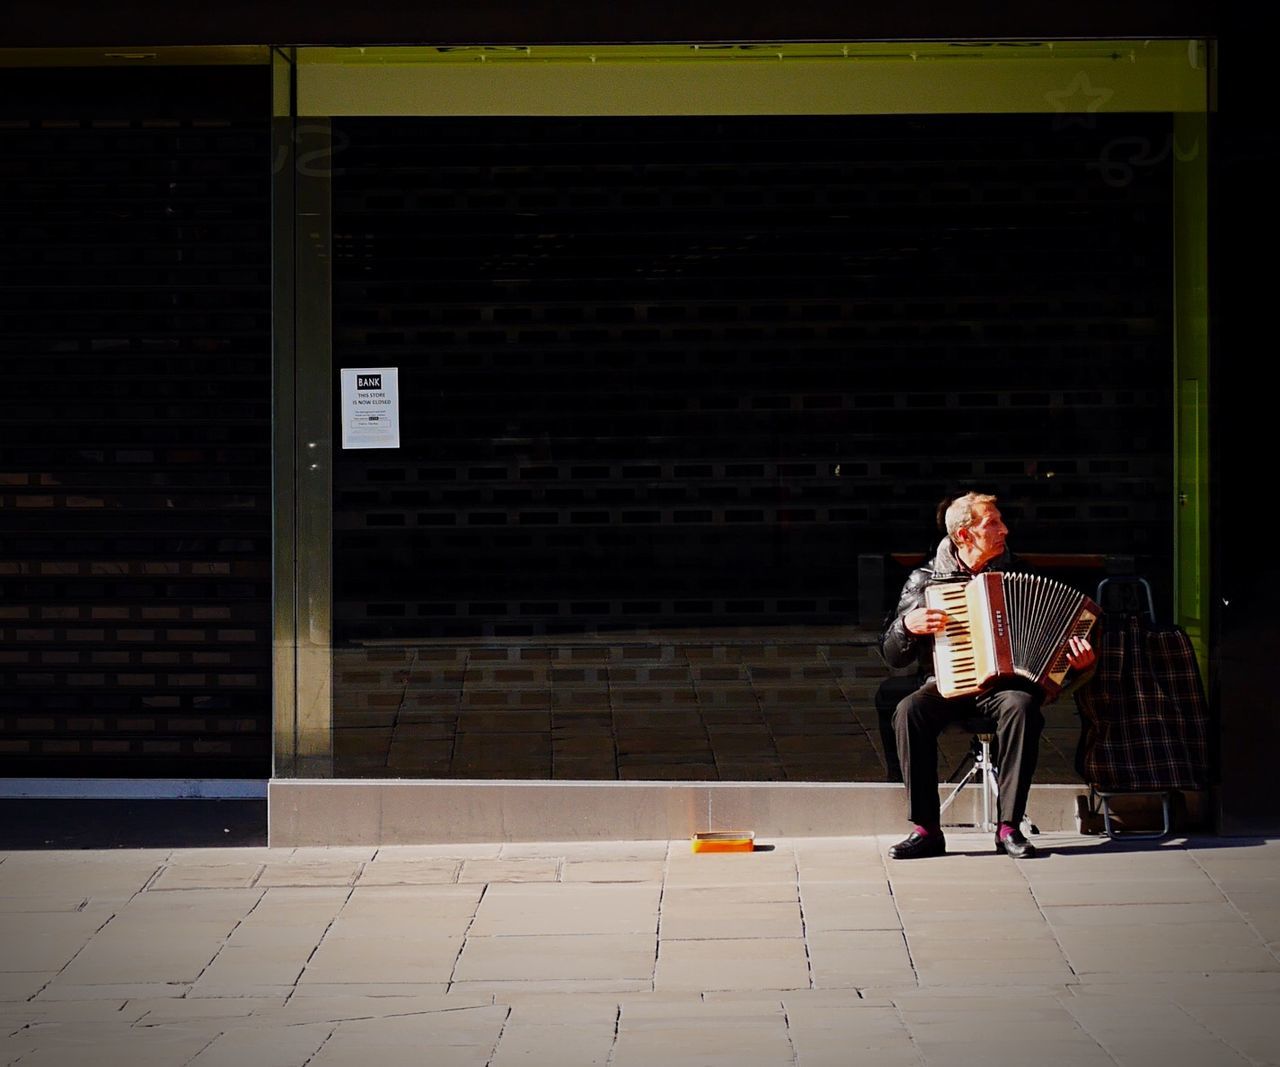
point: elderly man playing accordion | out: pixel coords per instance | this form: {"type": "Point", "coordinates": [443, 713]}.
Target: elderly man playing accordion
{"type": "Point", "coordinates": [975, 543]}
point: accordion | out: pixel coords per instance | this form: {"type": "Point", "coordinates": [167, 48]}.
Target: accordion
{"type": "Point", "coordinates": [1001, 625]}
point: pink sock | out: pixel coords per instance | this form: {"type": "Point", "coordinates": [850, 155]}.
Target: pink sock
{"type": "Point", "coordinates": [1005, 830]}
{"type": "Point", "coordinates": [925, 831]}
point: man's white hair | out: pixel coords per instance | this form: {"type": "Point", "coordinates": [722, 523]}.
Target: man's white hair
{"type": "Point", "coordinates": [960, 512]}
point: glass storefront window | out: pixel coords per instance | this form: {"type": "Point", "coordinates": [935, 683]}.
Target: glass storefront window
{"type": "Point", "coordinates": [678, 393]}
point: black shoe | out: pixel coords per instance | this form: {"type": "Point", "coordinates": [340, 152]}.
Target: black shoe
{"type": "Point", "coordinates": [1015, 845]}
{"type": "Point", "coordinates": [916, 846]}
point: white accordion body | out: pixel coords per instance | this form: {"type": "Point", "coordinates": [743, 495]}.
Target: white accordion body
{"type": "Point", "coordinates": [1001, 625]}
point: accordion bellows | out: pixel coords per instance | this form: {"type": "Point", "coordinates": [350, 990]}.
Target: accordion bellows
{"type": "Point", "coordinates": [1001, 625]}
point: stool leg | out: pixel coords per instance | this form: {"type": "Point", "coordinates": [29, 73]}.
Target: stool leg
{"type": "Point", "coordinates": [988, 780]}
{"type": "Point", "coordinates": [969, 777]}
{"type": "Point", "coordinates": [990, 786]}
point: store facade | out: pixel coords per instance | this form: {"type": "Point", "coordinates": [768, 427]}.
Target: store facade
{"type": "Point", "coordinates": [687, 343]}
{"type": "Point", "coordinates": [673, 349]}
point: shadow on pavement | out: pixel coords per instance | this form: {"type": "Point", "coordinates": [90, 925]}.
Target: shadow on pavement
{"type": "Point", "coordinates": [1094, 846]}
{"type": "Point", "coordinates": [91, 824]}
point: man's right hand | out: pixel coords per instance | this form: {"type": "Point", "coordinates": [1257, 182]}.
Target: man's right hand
{"type": "Point", "coordinates": [925, 621]}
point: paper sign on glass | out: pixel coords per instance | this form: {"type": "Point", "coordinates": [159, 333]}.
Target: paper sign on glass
{"type": "Point", "coordinates": [370, 407]}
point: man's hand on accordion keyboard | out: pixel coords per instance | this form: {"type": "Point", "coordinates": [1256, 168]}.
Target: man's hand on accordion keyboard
{"type": "Point", "coordinates": [1080, 654]}
{"type": "Point", "coordinates": [924, 621]}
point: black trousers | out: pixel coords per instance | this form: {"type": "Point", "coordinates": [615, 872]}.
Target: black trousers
{"type": "Point", "coordinates": [889, 693]}
{"type": "Point", "coordinates": [921, 717]}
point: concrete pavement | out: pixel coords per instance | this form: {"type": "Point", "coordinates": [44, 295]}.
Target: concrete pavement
{"type": "Point", "coordinates": [809, 951]}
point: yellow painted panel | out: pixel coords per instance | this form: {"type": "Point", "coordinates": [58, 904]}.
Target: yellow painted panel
{"type": "Point", "coordinates": [1192, 359]}
{"type": "Point", "coordinates": [1093, 77]}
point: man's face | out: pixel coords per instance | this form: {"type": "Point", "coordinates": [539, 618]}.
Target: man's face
{"type": "Point", "coordinates": [987, 534]}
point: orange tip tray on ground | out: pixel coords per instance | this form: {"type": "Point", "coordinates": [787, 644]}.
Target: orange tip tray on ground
{"type": "Point", "coordinates": [724, 841]}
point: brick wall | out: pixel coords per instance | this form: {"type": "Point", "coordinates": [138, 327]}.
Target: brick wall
{"type": "Point", "coordinates": [135, 458]}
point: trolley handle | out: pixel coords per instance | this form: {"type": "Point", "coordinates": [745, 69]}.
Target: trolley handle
{"type": "Point", "coordinates": [1132, 596]}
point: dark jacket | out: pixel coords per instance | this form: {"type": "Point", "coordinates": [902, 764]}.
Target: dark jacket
{"type": "Point", "coordinates": [899, 647]}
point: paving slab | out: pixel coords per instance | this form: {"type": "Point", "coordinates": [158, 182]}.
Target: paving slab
{"type": "Point", "coordinates": [423, 870]}
{"type": "Point", "coordinates": [47, 941]}
{"type": "Point", "coordinates": [860, 958]}
{"type": "Point", "coordinates": [525, 1044]}
{"type": "Point", "coordinates": [385, 960]}
{"type": "Point", "coordinates": [567, 909]}
{"type": "Point", "coordinates": [286, 1046]}
{"type": "Point", "coordinates": [73, 993]}
{"type": "Point", "coordinates": [615, 870]}
{"type": "Point", "coordinates": [977, 903]}
{"type": "Point", "coordinates": [373, 1001]}
{"type": "Point", "coordinates": [463, 1038]}
{"type": "Point", "coordinates": [312, 871]}
{"type": "Point", "coordinates": [60, 881]}
{"type": "Point", "coordinates": [558, 1029]}
{"type": "Point", "coordinates": [731, 869]}
{"type": "Point", "coordinates": [710, 1038]}
{"type": "Point", "coordinates": [107, 1045]}
{"type": "Point", "coordinates": [666, 1006]}
{"type": "Point", "coordinates": [557, 957]}
{"type": "Point", "coordinates": [237, 1009]}
{"type": "Point", "coordinates": [588, 851]}
{"type": "Point", "coordinates": [207, 875]}
{"type": "Point", "coordinates": [967, 963]}
{"type": "Point", "coordinates": [460, 851]}
{"type": "Point", "coordinates": [710, 895]}
{"type": "Point", "coordinates": [834, 907]}
{"type": "Point", "coordinates": [1250, 1027]}
{"type": "Point", "coordinates": [160, 938]}
{"type": "Point", "coordinates": [989, 1052]}
{"type": "Point", "coordinates": [1167, 1052]}
{"type": "Point", "coordinates": [1191, 890]}
{"type": "Point", "coordinates": [864, 1028]}
{"type": "Point", "coordinates": [1131, 1021]}
{"type": "Point", "coordinates": [502, 990]}
{"type": "Point", "coordinates": [399, 912]}
{"type": "Point", "coordinates": [1166, 948]}
{"type": "Point", "coordinates": [1096, 916]}
{"type": "Point", "coordinates": [21, 986]}
{"type": "Point", "coordinates": [743, 963]}
{"type": "Point", "coordinates": [510, 870]}
{"type": "Point", "coordinates": [700, 916]}
{"type": "Point", "coordinates": [290, 919]}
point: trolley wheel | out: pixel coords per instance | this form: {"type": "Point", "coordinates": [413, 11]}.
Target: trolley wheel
{"type": "Point", "coordinates": [1088, 821]}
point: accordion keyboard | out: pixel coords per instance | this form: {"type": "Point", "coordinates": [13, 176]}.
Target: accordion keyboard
{"type": "Point", "coordinates": [955, 657]}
